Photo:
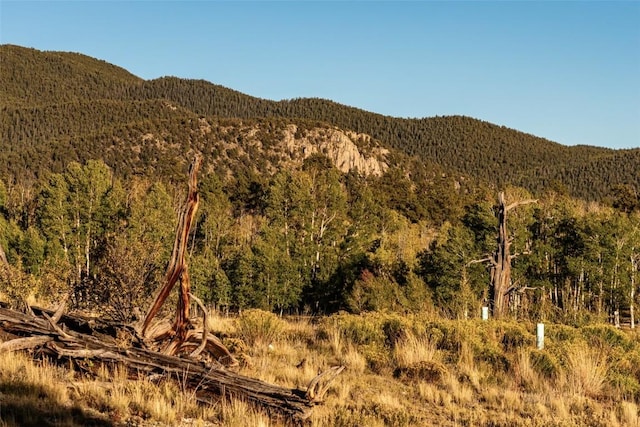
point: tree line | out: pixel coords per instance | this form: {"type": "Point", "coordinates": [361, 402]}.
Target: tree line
{"type": "Point", "coordinates": [314, 240]}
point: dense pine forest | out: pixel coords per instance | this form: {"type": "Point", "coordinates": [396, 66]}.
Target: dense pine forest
{"type": "Point", "coordinates": [306, 206]}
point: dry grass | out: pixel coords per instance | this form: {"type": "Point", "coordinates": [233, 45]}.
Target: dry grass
{"type": "Point", "coordinates": [238, 413]}
{"type": "Point", "coordinates": [411, 350]}
{"type": "Point", "coordinates": [336, 339]}
{"type": "Point", "coordinates": [629, 414]}
{"type": "Point", "coordinates": [353, 360]}
{"type": "Point", "coordinates": [220, 324]}
{"type": "Point", "coordinates": [455, 373]}
{"type": "Point", "coordinates": [586, 370]}
{"type": "Point", "coordinates": [525, 375]}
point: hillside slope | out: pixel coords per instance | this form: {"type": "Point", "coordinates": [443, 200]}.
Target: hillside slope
{"type": "Point", "coordinates": [31, 77]}
{"type": "Point", "coordinates": [71, 105]}
{"type": "Point", "coordinates": [483, 150]}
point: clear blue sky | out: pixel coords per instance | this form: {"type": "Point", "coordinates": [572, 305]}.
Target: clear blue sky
{"type": "Point", "coordinates": [566, 71]}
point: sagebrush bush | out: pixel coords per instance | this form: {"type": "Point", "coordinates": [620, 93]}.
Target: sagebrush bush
{"type": "Point", "coordinates": [626, 386]}
{"type": "Point", "coordinates": [257, 326]}
{"type": "Point", "coordinates": [452, 335]}
{"type": "Point", "coordinates": [606, 335]}
{"type": "Point", "coordinates": [395, 329]}
{"type": "Point", "coordinates": [364, 329]}
{"type": "Point", "coordinates": [560, 333]}
{"type": "Point", "coordinates": [545, 364]}
{"type": "Point", "coordinates": [516, 336]}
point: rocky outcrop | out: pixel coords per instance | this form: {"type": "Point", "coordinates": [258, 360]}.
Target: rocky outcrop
{"type": "Point", "coordinates": [339, 146]}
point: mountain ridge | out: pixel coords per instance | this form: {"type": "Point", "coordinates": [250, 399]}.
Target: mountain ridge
{"type": "Point", "coordinates": [36, 83]}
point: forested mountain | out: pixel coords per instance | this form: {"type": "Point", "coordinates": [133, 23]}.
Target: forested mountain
{"type": "Point", "coordinates": [30, 77]}
{"type": "Point", "coordinates": [494, 154]}
{"type": "Point", "coordinates": [74, 104]}
{"type": "Point", "coordinates": [306, 205]}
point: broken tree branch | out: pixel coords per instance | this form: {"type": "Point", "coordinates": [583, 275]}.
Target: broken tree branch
{"type": "Point", "coordinates": [320, 384]}
{"type": "Point", "coordinates": [478, 261]}
{"type": "Point", "coordinates": [24, 343]}
{"type": "Point", "coordinates": [60, 311]}
{"type": "Point", "coordinates": [520, 203]}
{"type": "Point", "coordinates": [205, 329]}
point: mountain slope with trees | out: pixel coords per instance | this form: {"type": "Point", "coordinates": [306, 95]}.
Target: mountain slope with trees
{"type": "Point", "coordinates": [34, 81]}
{"type": "Point", "coordinates": [489, 152]}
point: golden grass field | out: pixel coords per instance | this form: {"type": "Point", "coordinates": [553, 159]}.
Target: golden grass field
{"type": "Point", "coordinates": [411, 370]}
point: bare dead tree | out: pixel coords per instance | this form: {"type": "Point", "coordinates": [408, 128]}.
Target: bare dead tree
{"type": "Point", "coordinates": [501, 284]}
{"type": "Point", "coordinates": [181, 333]}
{"type": "Point", "coordinates": [500, 261]}
{"type": "Point", "coordinates": [635, 262]}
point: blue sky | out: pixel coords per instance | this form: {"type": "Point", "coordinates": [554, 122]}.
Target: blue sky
{"type": "Point", "coordinates": [565, 71]}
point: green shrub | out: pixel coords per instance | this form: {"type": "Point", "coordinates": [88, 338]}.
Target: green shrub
{"type": "Point", "coordinates": [259, 326]}
{"type": "Point", "coordinates": [493, 357]}
{"type": "Point", "coordinates": [626, 386]}
{"type": "Point", "coordinates": [378, 359]}
{"type": "Point", "coordinates": [608, 335]}
{"type": "Point", "coordinates": [558, 333]}
{"type": "Point", "coordinates": [431, 371]}
{"type": "Point", "coordinates": [451, 334]}
{"type": "Point", "coordinates": [435, 334]}
{"type": "Point", "coordinates": [515, 336]}
{"type": "Point", "coordinates": [362, 329]}
{"type": "Point", "coordinates": [394, 329]}
{"type": "Point", "coordinates": [544, 364]}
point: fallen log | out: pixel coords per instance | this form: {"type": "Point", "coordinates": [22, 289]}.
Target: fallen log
{"type": "Point", "coordinates": [208, 381]}
{"type": "Point", "coordinates": [26, 343]}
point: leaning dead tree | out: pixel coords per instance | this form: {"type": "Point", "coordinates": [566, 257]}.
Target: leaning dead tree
{"type": "Point", "coordinates": [177, 269]}
{"type": "Point", "coordinates": [180, 335]}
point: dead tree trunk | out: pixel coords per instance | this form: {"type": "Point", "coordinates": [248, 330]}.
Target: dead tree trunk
{"type": "Point", "coordinates": [178, 270]}
{"type": "Point", "coordinates": [501, 259]}
{"type": "Point", "coordinates": [635, 264]}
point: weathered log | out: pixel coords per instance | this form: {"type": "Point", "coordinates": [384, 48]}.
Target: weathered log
{"type": "Point", "coordinates": [207, 381]}
{"type": "Point", "coordinates": [24, 343]}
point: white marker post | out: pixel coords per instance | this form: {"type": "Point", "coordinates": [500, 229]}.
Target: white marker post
{"type": "Point", "coordinates": [485, 313]}
{"type": "Point", "coordinates": [540, 336]}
